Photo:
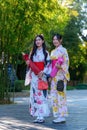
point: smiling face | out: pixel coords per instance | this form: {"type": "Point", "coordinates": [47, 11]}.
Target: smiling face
{"type": "Point", "coordinates": [39, 42]}
{"type": "Point", "coordinates": [56, 41]}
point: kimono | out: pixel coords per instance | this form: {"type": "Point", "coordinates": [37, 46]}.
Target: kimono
{"type": "Point", "coordinates": [58, 99]}
{"type": "Point", "coordinates": [38, 105]}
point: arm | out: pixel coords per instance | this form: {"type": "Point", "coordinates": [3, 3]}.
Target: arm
{"type": "Point", "coordinates": [47, 68]}
{"type": "Point", "coordinates": [65, 65]}
{"type": "Point", "coordinates": [26, 57]}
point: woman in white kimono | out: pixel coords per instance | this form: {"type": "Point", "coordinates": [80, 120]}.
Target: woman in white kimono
{"type": "Point", "coordinates": [58, 96]}
{"type": "Point", "coordinates": [38, 98]}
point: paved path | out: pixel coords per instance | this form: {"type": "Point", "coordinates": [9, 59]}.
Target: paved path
{"type": "Point", "coordinates": [16, 116]}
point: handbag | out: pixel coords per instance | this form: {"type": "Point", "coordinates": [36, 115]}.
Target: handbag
{"type": "Point", "coordinates": [60, 85]}
{"type": "Point", "coordinates": [42, 85]}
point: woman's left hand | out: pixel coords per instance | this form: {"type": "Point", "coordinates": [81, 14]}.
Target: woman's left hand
{"type": "Point", "coordinates": [58, 66]}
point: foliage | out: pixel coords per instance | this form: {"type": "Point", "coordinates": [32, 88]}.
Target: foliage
{"type": "Point", "coordinates": [81, 86]}
{"type": "Point", "coordinates": [76, 49]}
{"type": "Point", "coordinates": [70, 87]}
{"type": "Point", "coordinates": [22, 20]}
{"type": "Point", "coordinates": [4, 86]}
{"type": "Point", "coordinates": [19, 85]}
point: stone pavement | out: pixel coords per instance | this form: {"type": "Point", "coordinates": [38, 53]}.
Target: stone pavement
{"type": "Point", "coordinates": [16, 116]}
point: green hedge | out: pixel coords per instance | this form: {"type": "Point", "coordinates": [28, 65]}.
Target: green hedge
{"type": "Point", "coordinates": [19, 85]}
{"type": "Point", "coordinates": [81, 86]}
{"type": "Point", "coordinates": [70, 87]}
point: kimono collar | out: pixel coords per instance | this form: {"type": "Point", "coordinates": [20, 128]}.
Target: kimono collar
{"type": "Point", "coordinates": [58, 47]}
{"type": "Point", "coordinates": [40, 50]}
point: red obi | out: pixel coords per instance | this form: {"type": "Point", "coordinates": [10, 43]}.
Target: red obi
{"type": "Point", "coordinates": [36, 67]}
{"type": "Point", "coordinates": [40, 65]}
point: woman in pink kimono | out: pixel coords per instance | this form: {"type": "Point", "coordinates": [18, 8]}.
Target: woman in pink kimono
{"type": "Point", "coordinates": [38, 106]}
{"type": "Point", "coordinates": [59, 82]}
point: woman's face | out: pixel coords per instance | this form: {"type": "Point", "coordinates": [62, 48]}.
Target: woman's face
{"type": "Point", "coordinates": [39, 42]}
{"type": "Point", "coordinates": [56, 42]}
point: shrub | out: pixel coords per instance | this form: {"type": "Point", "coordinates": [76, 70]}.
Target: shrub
{"type": "Point", "coordinates": [81, 86]}
{"type": "Point", "coordinates": [70, 87]}
{"type": "Point", "coordinates": [19, 85]}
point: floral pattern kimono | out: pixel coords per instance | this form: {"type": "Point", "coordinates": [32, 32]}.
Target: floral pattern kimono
{"type": "Point", "coordinates": [38, 105]}
{"type": "Point", "coordinates": [58, 98]}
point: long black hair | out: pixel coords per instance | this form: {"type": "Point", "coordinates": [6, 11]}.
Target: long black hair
{"type": "Point", "coordinates": [59, 36]}
{"type": "Point", "coordinates": [35, 48]}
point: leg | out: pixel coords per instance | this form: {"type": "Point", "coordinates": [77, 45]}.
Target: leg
{"type": "Point", "coordinates": [62, 106]}
{"type": "Point", "coordinates": [54, 99]}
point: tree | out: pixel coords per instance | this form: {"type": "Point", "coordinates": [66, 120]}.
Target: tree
{"type": "Point", "coordinates": [21, 20]}
{"type": "Point", "coordinates": [74, 44]}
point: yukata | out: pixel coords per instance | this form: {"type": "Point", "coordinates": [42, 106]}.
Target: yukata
{"type": "Point", "coordinates": [58, 99]}
{"type": "Point", "coordinates": [38, 105]}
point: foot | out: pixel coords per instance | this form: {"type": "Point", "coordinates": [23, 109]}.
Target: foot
{"type": "Point", "coordinates": [59, 120]}
{"type": "Point", "coordinates": [39, 121]}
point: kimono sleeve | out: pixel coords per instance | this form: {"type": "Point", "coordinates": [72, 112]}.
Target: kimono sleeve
{"type": "Point", "coordinates": [65, 65]}
{"type": "Point", "coordinates": [47, 68]}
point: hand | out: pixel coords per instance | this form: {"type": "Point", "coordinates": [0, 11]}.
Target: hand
{"type": "Point", "coordinates": [23, 53]}
{"type": "Point", "coordinates": [40, 74]}
{"type": "Point", "coordinates": [58, 66]}
{"type": "Point", "coordinates": [27, 62]}
{"type": "Point", "coordinates": [49, 79]}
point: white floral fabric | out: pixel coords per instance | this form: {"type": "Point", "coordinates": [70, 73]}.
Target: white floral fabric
{"type": "Point", "coordinates": [38, 105]}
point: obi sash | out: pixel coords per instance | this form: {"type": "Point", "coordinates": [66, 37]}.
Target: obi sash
{"type": "Point", "coordinates": [54, 62]}
{"type": "Point", "coordinates": [36, 67]}
{"type": "Point", "coordinates": [40, 65]}
{"type": "Point", "coordinates": [54, 71]}
{"type": "Point", "coordinates": [60, 61]}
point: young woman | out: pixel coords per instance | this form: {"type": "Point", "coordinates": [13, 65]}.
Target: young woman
{"type": "Point", "coordinates": [59, 81]}
{"type": "Point", "coordinates": [38, 98]}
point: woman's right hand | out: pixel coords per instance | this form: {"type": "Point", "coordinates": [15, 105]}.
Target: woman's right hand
{"type": "Point", "coordinates": [27, 62]}
{"type": "Point", "coordinates": [40, 74]}
{"type": "Point", "coordinates": [49, 79]}
{"type": "Point", "coordinates": [23, 53]}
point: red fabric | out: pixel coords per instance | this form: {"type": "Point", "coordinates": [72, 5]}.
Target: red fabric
{"type": "Point", "coordinates": [26, 57]}
{"type": "Point", "coordinates": [40, 65]}
{"type": "Point", "coordinates": [33, 67]}
{"type": "Point", "coordinates": [36, 67]}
